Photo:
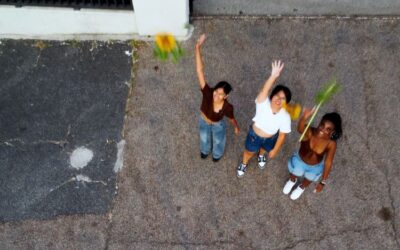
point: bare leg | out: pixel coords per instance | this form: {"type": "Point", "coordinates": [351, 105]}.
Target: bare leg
{"type": "Point", "coordinates": [262, 151]}
{"type": "Point", "coordinates": [305, 183]}
{"type": "Point", "coordinates": [247, 156]}
{"type": "Point", "coordinates": [293, 178]}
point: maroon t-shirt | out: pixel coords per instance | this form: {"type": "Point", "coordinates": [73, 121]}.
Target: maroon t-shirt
{"type": "Point", "coordinates": [207, 106]}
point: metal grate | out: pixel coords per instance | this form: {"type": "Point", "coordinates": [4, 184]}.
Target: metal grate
{"type": "Point", "coordinates": [76, 4]}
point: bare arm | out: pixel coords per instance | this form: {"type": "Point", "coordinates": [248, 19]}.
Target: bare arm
{"type": "Point", "coordinates": [278, 145]}
{"type": "Point", "coordinates": [199, 61]}
{"type": "Point", "coordinates": [302, 123]}
{"type": "Point", "coordinates": [277, 67]}
{"type": "Point", "coordinates": [235, 125]}
{"type": "Point", "coordinates": [327, 165]}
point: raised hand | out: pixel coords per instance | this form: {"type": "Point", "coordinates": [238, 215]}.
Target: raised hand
{"type": "Point", "coordinates": [201, 40]}
{"type": "Point", "coordinates": [277, 67]}
{"type": "Point", "coordinates": [308, 112]}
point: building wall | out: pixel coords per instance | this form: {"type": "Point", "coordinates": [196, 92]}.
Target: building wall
{"type": "Point", "coordinates": [149, 18]}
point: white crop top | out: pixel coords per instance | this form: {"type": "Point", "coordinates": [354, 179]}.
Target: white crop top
{"type": "Point", "coordinates": [270, 123]}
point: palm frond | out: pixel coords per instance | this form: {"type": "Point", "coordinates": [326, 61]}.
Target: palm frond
{"type": "Point", "coordinates": [330, 88]}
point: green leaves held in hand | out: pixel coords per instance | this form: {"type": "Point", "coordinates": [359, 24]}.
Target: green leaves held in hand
{"type": "Point", "coordinates": [330, 88]}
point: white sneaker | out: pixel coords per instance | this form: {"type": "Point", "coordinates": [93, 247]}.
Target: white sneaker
{"type": "Point", "coordinates": [296, 193]}
{"type": "Point", "coordinates": [288, 186]}
{"type": "Point", "coordinates": [262, 161]}
{"type": "Point", "coordinates": [241, 170]}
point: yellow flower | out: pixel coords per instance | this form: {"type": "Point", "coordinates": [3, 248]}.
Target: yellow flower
{"type": "Point", "coordinates": [166, 42]}
{"type": "Point", "coordinates": [293, 110]}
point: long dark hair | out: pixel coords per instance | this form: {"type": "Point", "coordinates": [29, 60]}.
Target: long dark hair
{"type": "Point", "coordinates": [337, 122]}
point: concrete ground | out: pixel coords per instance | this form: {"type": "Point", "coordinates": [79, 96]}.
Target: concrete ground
{"type": "Point", "coordinates": [296, 7]}
{"type": "Point", "coordinates": [168, 198]}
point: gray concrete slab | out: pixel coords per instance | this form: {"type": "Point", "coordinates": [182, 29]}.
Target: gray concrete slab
{"type": "Point", "coordinates": [168, 198]}
{"type": "Point", "coordinates": [56, 97]}
{"type": "Point", "coordinates": [295, 7]}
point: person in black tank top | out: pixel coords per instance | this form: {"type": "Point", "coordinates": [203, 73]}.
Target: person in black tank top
{"type": "Point", "coordinates": [314, 159]}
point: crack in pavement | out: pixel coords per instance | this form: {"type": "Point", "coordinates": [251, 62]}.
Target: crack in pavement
{"type": "Point", "coordinates": [13, 142]}
{"type": "Point", "coordinates": [185, 244]}
{"type": "Point", "coordinates": [78, 178]}
{"type": "Point", "coordinates": [323, 237]}
{"type": "Point", "coordinates": [370, 111]}
{"type": "Point", "coordinates": [389, 187]}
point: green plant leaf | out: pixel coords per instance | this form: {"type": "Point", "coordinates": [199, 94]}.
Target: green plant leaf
{"type": "Point", "coordinates": [157, 51]}
{"type": "Point", "coordinates": [330, 88]}
{"type": "Point", "coordinates": [181, 52]}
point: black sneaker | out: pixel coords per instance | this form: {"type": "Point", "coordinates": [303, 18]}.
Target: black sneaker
{"type": "Point", "coordinates": [262, 161]}
{"type": "Point", "coordinates": [203, 156]}
{"type": "Point", "coordinates": [216, 160]}
{"type": "Point", "coordinates": [241, 170]}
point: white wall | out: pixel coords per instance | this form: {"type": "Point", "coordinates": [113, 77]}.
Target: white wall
{"type": "Point", "coordinates": [154, 16]}
{"type": "Point", "coordinates": [149, 18]}
{"type": "Point", "coordinates": [65, 23]}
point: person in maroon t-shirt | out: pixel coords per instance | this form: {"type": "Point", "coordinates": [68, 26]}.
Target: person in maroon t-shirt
{"type": "Point", "coordinates": [214, 107]}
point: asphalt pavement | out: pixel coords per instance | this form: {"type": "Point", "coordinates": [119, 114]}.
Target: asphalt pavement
{"type": "Point", "coordinates": [169, 198]}
{"type": "Point", "coordinates": [62, 110]}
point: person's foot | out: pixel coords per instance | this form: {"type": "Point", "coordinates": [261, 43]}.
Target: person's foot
{"type": "Point", "coordinates": [288, 186]}
{"type": "Point", "coordinates": [203, 156]}
{"type": "Point", "coordinates": [296, 193]}
{"type": "Point", "coordinates": [262, 161]}
{"type": "Point", "coordinates": [241, 170]}
{"type": "Point", "coordinates": [216, 159]}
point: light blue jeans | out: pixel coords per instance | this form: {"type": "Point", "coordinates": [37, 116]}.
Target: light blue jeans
{"type": "Point", "coordinates": [299, 168]}
{"type": "Point", "coordinates": [212, 137]}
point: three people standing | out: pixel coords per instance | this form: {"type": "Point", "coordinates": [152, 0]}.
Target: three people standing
{"type": "Point", "coordinates": [269, 129]}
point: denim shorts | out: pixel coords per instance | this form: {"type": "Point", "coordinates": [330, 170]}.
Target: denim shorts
{"type": "Point", "coordinates": [255, 142]}
{"type": "Point", "coordinates": [299, 168]}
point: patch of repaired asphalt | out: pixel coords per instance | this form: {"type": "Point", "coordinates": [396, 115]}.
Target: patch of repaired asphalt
{"type": "Point", "coordinates": [61, 116]}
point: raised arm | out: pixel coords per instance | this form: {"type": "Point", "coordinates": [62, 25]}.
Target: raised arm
{"type": "Point", "coordinates": [277, 67]}
{"type": "Point", "coordinates": [199, 61]}
{"type": "Point", "coordinates": [302, 123]}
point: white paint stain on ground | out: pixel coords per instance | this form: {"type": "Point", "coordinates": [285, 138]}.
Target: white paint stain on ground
{"type": "Point", "coordinates": [84, 178]}
{"type": "Point", "coordinates": [80, 157]}
{"type": "Point", "coordinates": [120, 156]}
{"type": "Point", "coordinates": [79, 178]}
{"type": "Point", "coordinates": [128, 53]}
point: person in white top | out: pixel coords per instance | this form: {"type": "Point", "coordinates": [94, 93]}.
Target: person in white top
{"type": "Point", "coordinates": [270, 124]}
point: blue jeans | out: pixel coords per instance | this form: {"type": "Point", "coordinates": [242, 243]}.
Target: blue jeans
{"type": "Point", "coordinates": [254, 142]}
{"type": "Point", "coordinates": [212, 137]}
{"type": "Point", "coordinates": [299, 168]}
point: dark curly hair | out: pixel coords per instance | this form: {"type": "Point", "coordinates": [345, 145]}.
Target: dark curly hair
{"type": "Point", "coordinates": [337, 122]}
